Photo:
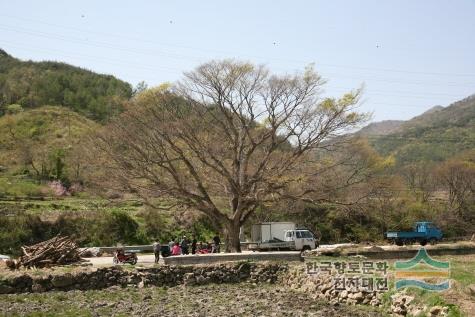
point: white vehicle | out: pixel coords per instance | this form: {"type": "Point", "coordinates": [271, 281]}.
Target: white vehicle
{"type": "Point", "coordinates": [270, 236]}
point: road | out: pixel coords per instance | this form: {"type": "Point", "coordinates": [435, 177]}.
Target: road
{"type": "Point", "coordinates": [148, 259]}
{"type": "Point", "coordinates": [143, 259]}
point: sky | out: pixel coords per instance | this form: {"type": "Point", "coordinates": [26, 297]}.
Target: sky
{"type": "Point", "coordinates": [408, 55]}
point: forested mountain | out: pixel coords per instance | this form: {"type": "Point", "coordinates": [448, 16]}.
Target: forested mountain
{"type": "Point", "coordinates": [381, 128]}
{"type": "Point", "coordinates": [34, 84]}
{"type": "Point", "coordinates": [436, 135]}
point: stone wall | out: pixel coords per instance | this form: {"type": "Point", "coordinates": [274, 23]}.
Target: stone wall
{"type": "Point", "coordinates": [140, 277]}
{"type": "Point", "coordinates": [321, 286]}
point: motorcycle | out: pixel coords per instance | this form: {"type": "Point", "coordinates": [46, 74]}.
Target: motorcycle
{"type": "Point", "coordinates": [121, 257]}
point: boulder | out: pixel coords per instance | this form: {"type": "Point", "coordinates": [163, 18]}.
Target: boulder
{"type": "Point", "coordinates": [6, 289]}
{"type": "Point", "coordinates": [37, 288]}
{"type": "Point", "coordinates": [471, 289]}
{"type": "Point", "coordinates": [61, 281]}
{"type": "Point", "coordinates": [400, 310]}
{"type": "Point", "coordinates": [435, 311]}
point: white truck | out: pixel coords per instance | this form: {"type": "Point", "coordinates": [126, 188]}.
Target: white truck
{"type": "Point", "coordinates": [268, 236]}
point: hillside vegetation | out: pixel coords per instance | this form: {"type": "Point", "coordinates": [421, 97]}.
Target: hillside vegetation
{"type": "Point", "coordinates": [34, 84]}
{"type": "Point", "coordinates": [434, 136]}
{"type": "Point", "coordinates": [43, 142]}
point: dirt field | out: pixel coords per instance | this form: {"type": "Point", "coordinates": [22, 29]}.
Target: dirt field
{"type": "Point", "coordinates": [212, 300]}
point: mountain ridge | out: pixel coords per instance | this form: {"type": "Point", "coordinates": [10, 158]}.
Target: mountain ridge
{"type": "Point", "coordinates": [35, 84]}
{"type": "Point", "coordinates": [435, 135]}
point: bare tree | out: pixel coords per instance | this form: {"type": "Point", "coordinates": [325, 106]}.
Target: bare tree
{"type": "Point", "coordinates": [420, 179]}
{"type": "Point", "coordinates": [227, 138]}
{"type": "Point", "coordinates": [458, 177]}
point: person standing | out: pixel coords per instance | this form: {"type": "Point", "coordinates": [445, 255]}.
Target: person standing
{"type": "Point", "coordinates": [176, 250]}
{"type": "Point", "coordinates": [184, 245]}
{"type": "Point", "coordinates": [156, 250]}
{"type": "Point", "coordinates": [216, 243]}
{"type": "Point", "coordinates": [193, 245]}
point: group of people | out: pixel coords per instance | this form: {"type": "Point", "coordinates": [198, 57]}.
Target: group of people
{"type": "Point", "coordinates": [183, 247]}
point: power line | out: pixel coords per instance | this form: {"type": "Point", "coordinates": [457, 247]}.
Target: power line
{"type": "Point", "coordinates": [101, 58]}
{"type": "Point", "coordinates": [260, 57]}
{"type": "Point", "coordinates": [169, 69]}
{"type": "Point", "coordinates": [98, 44]}
{"type": "Point", "coordinates": [171, 55]}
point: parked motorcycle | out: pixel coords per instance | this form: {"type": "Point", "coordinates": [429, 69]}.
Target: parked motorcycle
{"type": "Point", "coordinates": [124, 257]}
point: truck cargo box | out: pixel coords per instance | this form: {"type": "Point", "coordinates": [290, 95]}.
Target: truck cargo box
{"type": "Point", "coordinates": [270, 231]}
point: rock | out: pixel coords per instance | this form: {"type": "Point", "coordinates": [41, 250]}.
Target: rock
{"type": "Point", "coordinates": [61, 281]}
{"type": "Point", "coordinates": [37, 288]}
{"type": "Point", "coordinates": [201, 279]}
{"type": "Point", "coordinates": [445, 311]}
{"type": "Point", "coordinates": [471, 289]}
{"type": "Point", "coordinates": [189, 279]}
{"type": "Point", "coordinates": [358, 296]}
{"type": "Point", "coordinates": [90, 252]}
{"type": "Point", "coordinates": [416, 311]}
{"type": "Point", "coordinates": [435, 311]}
{"type": "Point", "coordinates": [400, 310]}
{"type": "Point", "coordinates": [5, 289]}
{"type": "Point", "coordinates": [375, 249]}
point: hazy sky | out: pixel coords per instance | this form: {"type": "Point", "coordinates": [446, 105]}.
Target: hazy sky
{"type": "Point", "coordinates": [410, 55]}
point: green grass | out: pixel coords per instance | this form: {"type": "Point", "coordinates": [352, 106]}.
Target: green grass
{"type": "Point", "coordinates": [463, 270]}
{"type": "Point", "coordinates": [20, 187]}
{"type": "Point", "coordinates": [72, 204]}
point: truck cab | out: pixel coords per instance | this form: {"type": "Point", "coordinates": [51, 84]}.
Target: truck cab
{"type": "Point", "coordinates": [429, 229]}
{"type": "Point", "coordinates": [423, 232]}
{"type": "Point", "coordinates": [303, 239]}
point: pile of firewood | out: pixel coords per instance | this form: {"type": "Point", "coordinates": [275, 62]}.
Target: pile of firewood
{"type": "Point", "coordinates": [56, 251]}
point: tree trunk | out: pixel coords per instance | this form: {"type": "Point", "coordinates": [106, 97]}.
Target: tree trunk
{"type": "Point", "coordinates": [233, 243]}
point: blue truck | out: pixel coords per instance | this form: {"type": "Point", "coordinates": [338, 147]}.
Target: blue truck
{"type": "Point", "coordinates": [424, 232]}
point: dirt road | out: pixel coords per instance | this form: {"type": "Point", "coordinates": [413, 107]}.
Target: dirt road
{"type": "Point", "coordinates": [149, 259]}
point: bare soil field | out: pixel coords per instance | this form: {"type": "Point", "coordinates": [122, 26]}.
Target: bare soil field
{"type": "Point", "coordinates": [242, 299]}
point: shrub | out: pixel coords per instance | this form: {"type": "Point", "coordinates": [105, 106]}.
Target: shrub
{"type": "Point", "coordinates": [13, 109]}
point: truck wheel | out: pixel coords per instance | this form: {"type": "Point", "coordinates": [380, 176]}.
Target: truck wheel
{"type": "Point", "coordinates": [399, 242]}
{"type": "Point", "coordinates": [423, 242]}
{"type": "Point", "coordinates": [433, 241]}
{"type": "Point", "coordinates": [306, 248]}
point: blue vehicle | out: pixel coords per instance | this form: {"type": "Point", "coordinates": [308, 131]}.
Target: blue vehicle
{"type": "Point", "coordinates": [423, 232]}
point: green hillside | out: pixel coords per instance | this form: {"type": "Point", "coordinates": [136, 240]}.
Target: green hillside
{"type": "Point", "coordinates": [436, 135]}
{"type": "Point", "coordinates": [34, 84]}
{"type": "Point", "coordinates": [34, 141]}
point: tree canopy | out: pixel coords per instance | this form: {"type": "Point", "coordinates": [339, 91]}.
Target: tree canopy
{"type": "Point", "coordinates": [227, 138]}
